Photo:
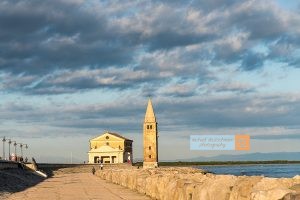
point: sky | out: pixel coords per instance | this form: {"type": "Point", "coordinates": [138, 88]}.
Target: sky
{"type": "Point", "coordinates": [72, 69]}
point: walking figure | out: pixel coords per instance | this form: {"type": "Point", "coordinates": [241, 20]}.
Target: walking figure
{"type": "Point", "coordinates": [101, 166]}
{"type": "Point", "coordinates": [93, 170]}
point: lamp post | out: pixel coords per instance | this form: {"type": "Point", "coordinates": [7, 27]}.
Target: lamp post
{"type": "Point", "coordinates": [15, 144]}
{"type": "Point", "coordinates": [4, 140]}
{"type": "Point", "coordinates": [26, 147]}
{"type": "Point", "coordinates": [21, 147]}
{"type": "Point", "coordinates": [9, 143]}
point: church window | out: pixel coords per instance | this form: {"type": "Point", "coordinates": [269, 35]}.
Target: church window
{"type": "Point", "coordinates": [107, 137]}
{"type": "Point", "coordinates": [147, 126]}
{"type": "Point", "coordinates": [107, 143]}
{"type": "Point", "coordinates": [149, 156]}
{"type": "Point", "coordinates": [150, 126]}
{"type": "Point", "coordinates": [149, 147]}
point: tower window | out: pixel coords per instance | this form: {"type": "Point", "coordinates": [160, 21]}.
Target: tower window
{"type": "Point", "coordinates": [149, 126]}
{"type": "Point", "coordinates": [107, 137]}
{"type": "Point", "coordinates": [149, 147]}
{"type": "Point", "coordinates": [149, 156]}
{"type": "Point", "coordinates": [107, 143]}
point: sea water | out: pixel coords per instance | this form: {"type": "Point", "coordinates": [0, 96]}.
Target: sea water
{"type": "Point", "coordinates": [268, 170]}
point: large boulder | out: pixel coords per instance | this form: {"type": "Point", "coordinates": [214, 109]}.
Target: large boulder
{"type": "Point", "coordinates": [273, 194]}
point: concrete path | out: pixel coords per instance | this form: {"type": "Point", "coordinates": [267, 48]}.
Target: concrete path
{"type": "Point", "coordinates": [76, 186]}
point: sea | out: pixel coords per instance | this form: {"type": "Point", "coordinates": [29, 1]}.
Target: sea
{"type": "Point", "coordinates": [267, 170]}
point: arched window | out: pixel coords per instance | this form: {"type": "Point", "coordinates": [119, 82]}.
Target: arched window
{"type": "Point", "coordinates": [149, 156]}
{"type": "Point", "coordinates": [107, 143]}
{"type": "Point", "coordinates": [149, 147]}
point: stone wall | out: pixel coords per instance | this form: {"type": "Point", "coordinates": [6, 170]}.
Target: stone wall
{"type": "Point", "coordinates": [189, 184]}
{"type": "Point", "coordinates": [8, 164]}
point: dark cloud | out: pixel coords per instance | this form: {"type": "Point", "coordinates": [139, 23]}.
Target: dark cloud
{"type": "Point", "coordinates": [252, 61]}
{"type": "Point", "coordinates": [236, 87]}
{"type": "Point", "coordinates": [167, 40]}
{"type": "Point", "coordinates": [204, 5]}
{"type": "Point", "coordinates": [262, 20]}
{"type": "Point", "coordinates": [39, 37]}
{"type": "Point", "coordinates": [190, 113]}
{"type": "Point", "coordinates": [242, 111]}
{"type": "Point", "coordinates": [45, 45]}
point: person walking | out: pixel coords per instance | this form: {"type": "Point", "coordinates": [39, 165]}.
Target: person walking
{"type": "Point", "coordinates": [93, 170]}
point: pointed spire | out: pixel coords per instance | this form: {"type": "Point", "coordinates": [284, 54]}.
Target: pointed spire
{"type": "Point", "coordinates": [150, 116]}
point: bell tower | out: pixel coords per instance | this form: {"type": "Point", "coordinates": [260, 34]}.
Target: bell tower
{"type": "Point", "coordinates": [150, 138]}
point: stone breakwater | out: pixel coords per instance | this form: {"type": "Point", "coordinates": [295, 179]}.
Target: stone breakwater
{"type": "Point", "coordinates": [189, 184]}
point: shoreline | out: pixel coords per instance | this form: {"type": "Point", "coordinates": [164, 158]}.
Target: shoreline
{"type": "Point", "coordinates": [230, 164]}
{"type": "Point", "coordinates": [221, 163]}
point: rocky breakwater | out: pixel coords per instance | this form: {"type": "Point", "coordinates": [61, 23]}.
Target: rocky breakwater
{"type": "Point", "coordinates": [189, 183]}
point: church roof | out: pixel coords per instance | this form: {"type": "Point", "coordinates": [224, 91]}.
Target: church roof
{"type": "Point", "coordinates": [117, 135]}
{"type": "Point", "coordinates": [150, 116]}
{"type": "Point", "coordinates": [114, 134]}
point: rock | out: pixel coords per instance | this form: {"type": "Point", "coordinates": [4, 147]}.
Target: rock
{"type": "Point", "coordinates": [291, 196]}
{"type": "Point", "coordinates": [213, 188]}
{"type": "Point", "coordinates": [274, 194]}
{"type": "Point", "coordinates": [243, 187]}
{"type": "Point", "coordinates": [189, 183]}
{"type": "Point", "coordinates": [296, 177]}
{"type": "Point", "coordinates": [272, 183]}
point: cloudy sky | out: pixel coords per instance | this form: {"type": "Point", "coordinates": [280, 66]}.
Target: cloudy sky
{"type": "Point", "coordinates": [71, 69]}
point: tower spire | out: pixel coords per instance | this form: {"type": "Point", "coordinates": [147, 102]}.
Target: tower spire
{"type": "Point", "coordinates": [150, 138]}
{"type": "Point", "coordinates": [150, 116]}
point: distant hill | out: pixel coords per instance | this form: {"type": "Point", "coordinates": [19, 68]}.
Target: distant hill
{"type": "Point", "coordinates": [248, 157]}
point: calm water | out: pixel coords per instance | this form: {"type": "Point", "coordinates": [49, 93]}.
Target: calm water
{"type": "Point", "coordinates": [276, 170]}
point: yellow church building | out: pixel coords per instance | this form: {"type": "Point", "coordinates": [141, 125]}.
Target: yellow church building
{"type": "Point", "coordinates": [110, 148]}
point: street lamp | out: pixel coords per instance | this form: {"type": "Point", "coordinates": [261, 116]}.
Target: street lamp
{"type": "Point", "coordinates": [3, 140]}
{"type": "Point", "coordinates": [15, 144]}
{"type": "Point", "coordinates": [21, 146]}
{"type": "Point", "coordinates": [26, 147]}
{"type": "Point", "coordinates": [9, 143]}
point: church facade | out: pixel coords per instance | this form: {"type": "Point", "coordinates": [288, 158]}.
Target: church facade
{"type": "Point", "coordinates": [150, 138]}
{"type": "Point", "coordinates": [110, 148]}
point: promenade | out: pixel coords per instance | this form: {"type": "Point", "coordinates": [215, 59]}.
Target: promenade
{"type": "Point", "coordinates": [76, 186]}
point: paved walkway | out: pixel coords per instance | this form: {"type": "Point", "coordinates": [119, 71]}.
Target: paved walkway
{"type": "Point", "coordinates": [76, 186]}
